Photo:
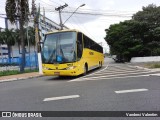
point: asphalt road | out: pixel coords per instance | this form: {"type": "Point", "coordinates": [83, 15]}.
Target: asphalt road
{"type": "Point", "coordinates": [114, 87]}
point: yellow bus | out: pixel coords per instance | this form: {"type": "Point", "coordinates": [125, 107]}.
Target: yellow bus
{"type": "Point", "coordinates": [70, 53]}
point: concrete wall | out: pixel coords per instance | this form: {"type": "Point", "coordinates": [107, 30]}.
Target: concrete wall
{"type": "Point", "coordinates": [145, 59]}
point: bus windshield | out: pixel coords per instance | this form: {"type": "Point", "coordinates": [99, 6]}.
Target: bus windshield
{"type": "Point", "coordinates": [59, 48]}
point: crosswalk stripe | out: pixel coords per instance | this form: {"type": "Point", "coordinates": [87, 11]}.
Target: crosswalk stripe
{"type": "Point", "coordinates": [114, 75]}
{"type": "Point", "coordinates": [118, 72]}
{"type": "Point", "coordinates": [78, 80]}
{"type": "Point", "coordinates": [113, 71]}
{"type": "Point", "coordinates": [122, 66]}
{"type": "Point", "coordinates": [112, 68]}
{"type": "Point", "coordinates": [125, 69]}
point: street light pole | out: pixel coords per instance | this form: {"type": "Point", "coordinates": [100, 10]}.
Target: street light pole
{"type": "Point", "coordinates": [73, 13]}
{"type": "Point", "coordinates": [59, 9]}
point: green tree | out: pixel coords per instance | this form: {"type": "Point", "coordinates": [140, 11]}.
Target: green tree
{"type": "Point", "coordinates": [137, 37]}
{"type": "Point", "coordinates": [20, 9]}
{"type": "Point", "coordinates": [1, 38]}
{"type": "Point", "coordinates": [29, 37]}
{"type": "Point", "coordinates": [150, 15]}
{"type": "Point", "coordinates": [8, 38]}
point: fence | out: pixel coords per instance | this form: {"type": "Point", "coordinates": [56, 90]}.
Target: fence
{"type": "Point", "coordinates": [31, 62]}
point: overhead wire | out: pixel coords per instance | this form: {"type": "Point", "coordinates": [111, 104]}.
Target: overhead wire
{"type": "Point", "coordinates": [54, 2]}
{"type": "Point", "coordinates": [47, 3]}
{"type": "Point", "coordinates": [83, 28]}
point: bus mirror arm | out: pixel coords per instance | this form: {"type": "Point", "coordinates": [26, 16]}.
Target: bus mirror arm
{"type": "Point", "coordinates": [39, 44]}
{"type": "Point", "coordinates": [78, 42]}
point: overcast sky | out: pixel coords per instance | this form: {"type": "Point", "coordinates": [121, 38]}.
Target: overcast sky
{"type": "Point", "coordinates": [104, 13]}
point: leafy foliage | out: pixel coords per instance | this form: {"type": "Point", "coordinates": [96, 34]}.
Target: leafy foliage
{"type": "Point", "coordinates": [18, 9]}
{"type": "Point", "coordinates": [8, 37]}
{"type": "Point", "coordinates": [139, 36]}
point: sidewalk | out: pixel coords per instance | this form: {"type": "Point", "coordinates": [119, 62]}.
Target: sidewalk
{"type": "Point", "coordinates": [20, 76]}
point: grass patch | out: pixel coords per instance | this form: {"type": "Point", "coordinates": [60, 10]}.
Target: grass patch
{"type": "Point", "coordinates": [15, 72]}
{"type": "Point", "coordinates": [155, 65]}
{"type": "Point", "coordinates": [152, 65]}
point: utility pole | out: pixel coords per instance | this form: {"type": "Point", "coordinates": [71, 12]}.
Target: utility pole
{"type": "Point", "coordinates": [36, 25]}
{"type": "Point", "coordinates": [59, 9]}
{"type": "Point", "coordinates": [36, 22]}
{"type": "Point", "coordinates": [73, 13]}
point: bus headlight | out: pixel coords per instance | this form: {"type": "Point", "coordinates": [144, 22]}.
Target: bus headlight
{"type": "Point", "coordinates": [70, 68]}
{"type": "Point", "coordinates": [45, 68]}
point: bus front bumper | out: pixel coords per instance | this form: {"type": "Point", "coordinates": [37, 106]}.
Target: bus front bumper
{"type": "Point", "coordinates": [61, 72]}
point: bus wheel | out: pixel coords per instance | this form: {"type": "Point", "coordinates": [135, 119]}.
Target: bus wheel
{"type": "Point", "coordinates": [85, 69]}
{"type": "Point", "coordinates": [100, 64]}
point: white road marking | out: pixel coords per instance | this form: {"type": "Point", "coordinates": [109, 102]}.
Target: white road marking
{"type": "Point", "coordinates": [96, 72]}
{"type": "Point", "coordinates": [121, 68]}
{"type": "Point", "coordinates": [61, 97]}
{"type": "Point", "coordinates": [124, 69]}
{"type": "Point", "coordinates": [91, 74]}
{"type": "Point", "coordinates": [158, 74]}
{"type": "Point", "coordinates": [111, 73]}
{"type": "Point", "coordinates": [78, 80]}
{"type": "Point", "coordinates": [106, 76]}
{"type": "Point", "coordinates": [132, 90]}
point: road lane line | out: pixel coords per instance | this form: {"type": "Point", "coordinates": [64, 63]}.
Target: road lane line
{"type": "Point", "coordinates": [117, 72]}
{"type": "Point", "coordinates": [157, 74]}
{"type": "Point", "coordinates": [122, 66]}
{"type": "Point", "coordinates": [61, 97]}
{"type": "Point", "coordinates": [79, 80]}
{"type": "Point", "coordinates": [124, 69]}
{"type": "Point", "coordinates": [97, 71]}
{"type": "Point", "coordinates": [105, 76]}
{"type": "Point", "coordinates": [132, 90]}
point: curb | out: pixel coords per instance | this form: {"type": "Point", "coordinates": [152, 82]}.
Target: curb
{"type": "Point", "coordinates": [21, 78]}
{"type": "Point", "coordinates": [139, 67]}
{"type": "Point", "coordinates": [142, 68]}
{"type": "Point", "coordinates": [152, 70]}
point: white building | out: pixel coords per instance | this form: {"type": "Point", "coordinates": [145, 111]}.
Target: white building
{"type": "Point", "coordinates": [45, 25]}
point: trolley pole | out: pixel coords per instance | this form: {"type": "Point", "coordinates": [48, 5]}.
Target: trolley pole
{"type": "Point", "coordinates": [59, 9]}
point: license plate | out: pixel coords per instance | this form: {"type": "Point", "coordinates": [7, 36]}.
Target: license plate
{"type": "Point", "coordinates": [56, 73]}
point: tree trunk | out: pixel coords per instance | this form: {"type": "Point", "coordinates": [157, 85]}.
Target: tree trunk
{"type": "Point", "coordinates": [9, 53]}
{"type": "Point", "coordinates": [22, 65]}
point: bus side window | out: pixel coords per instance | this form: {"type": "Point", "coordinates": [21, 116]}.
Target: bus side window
{"type": "Point", "coordinates": [79, 46]}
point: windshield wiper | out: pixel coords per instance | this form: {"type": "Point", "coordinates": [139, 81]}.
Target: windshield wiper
{"type": "Point", "coordinates": [51, 57]}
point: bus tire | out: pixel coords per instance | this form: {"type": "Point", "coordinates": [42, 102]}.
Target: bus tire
{"type": "Point", "coordinates": [85, 69]}
{"type": "Point", "coordinates": [100, 64]}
